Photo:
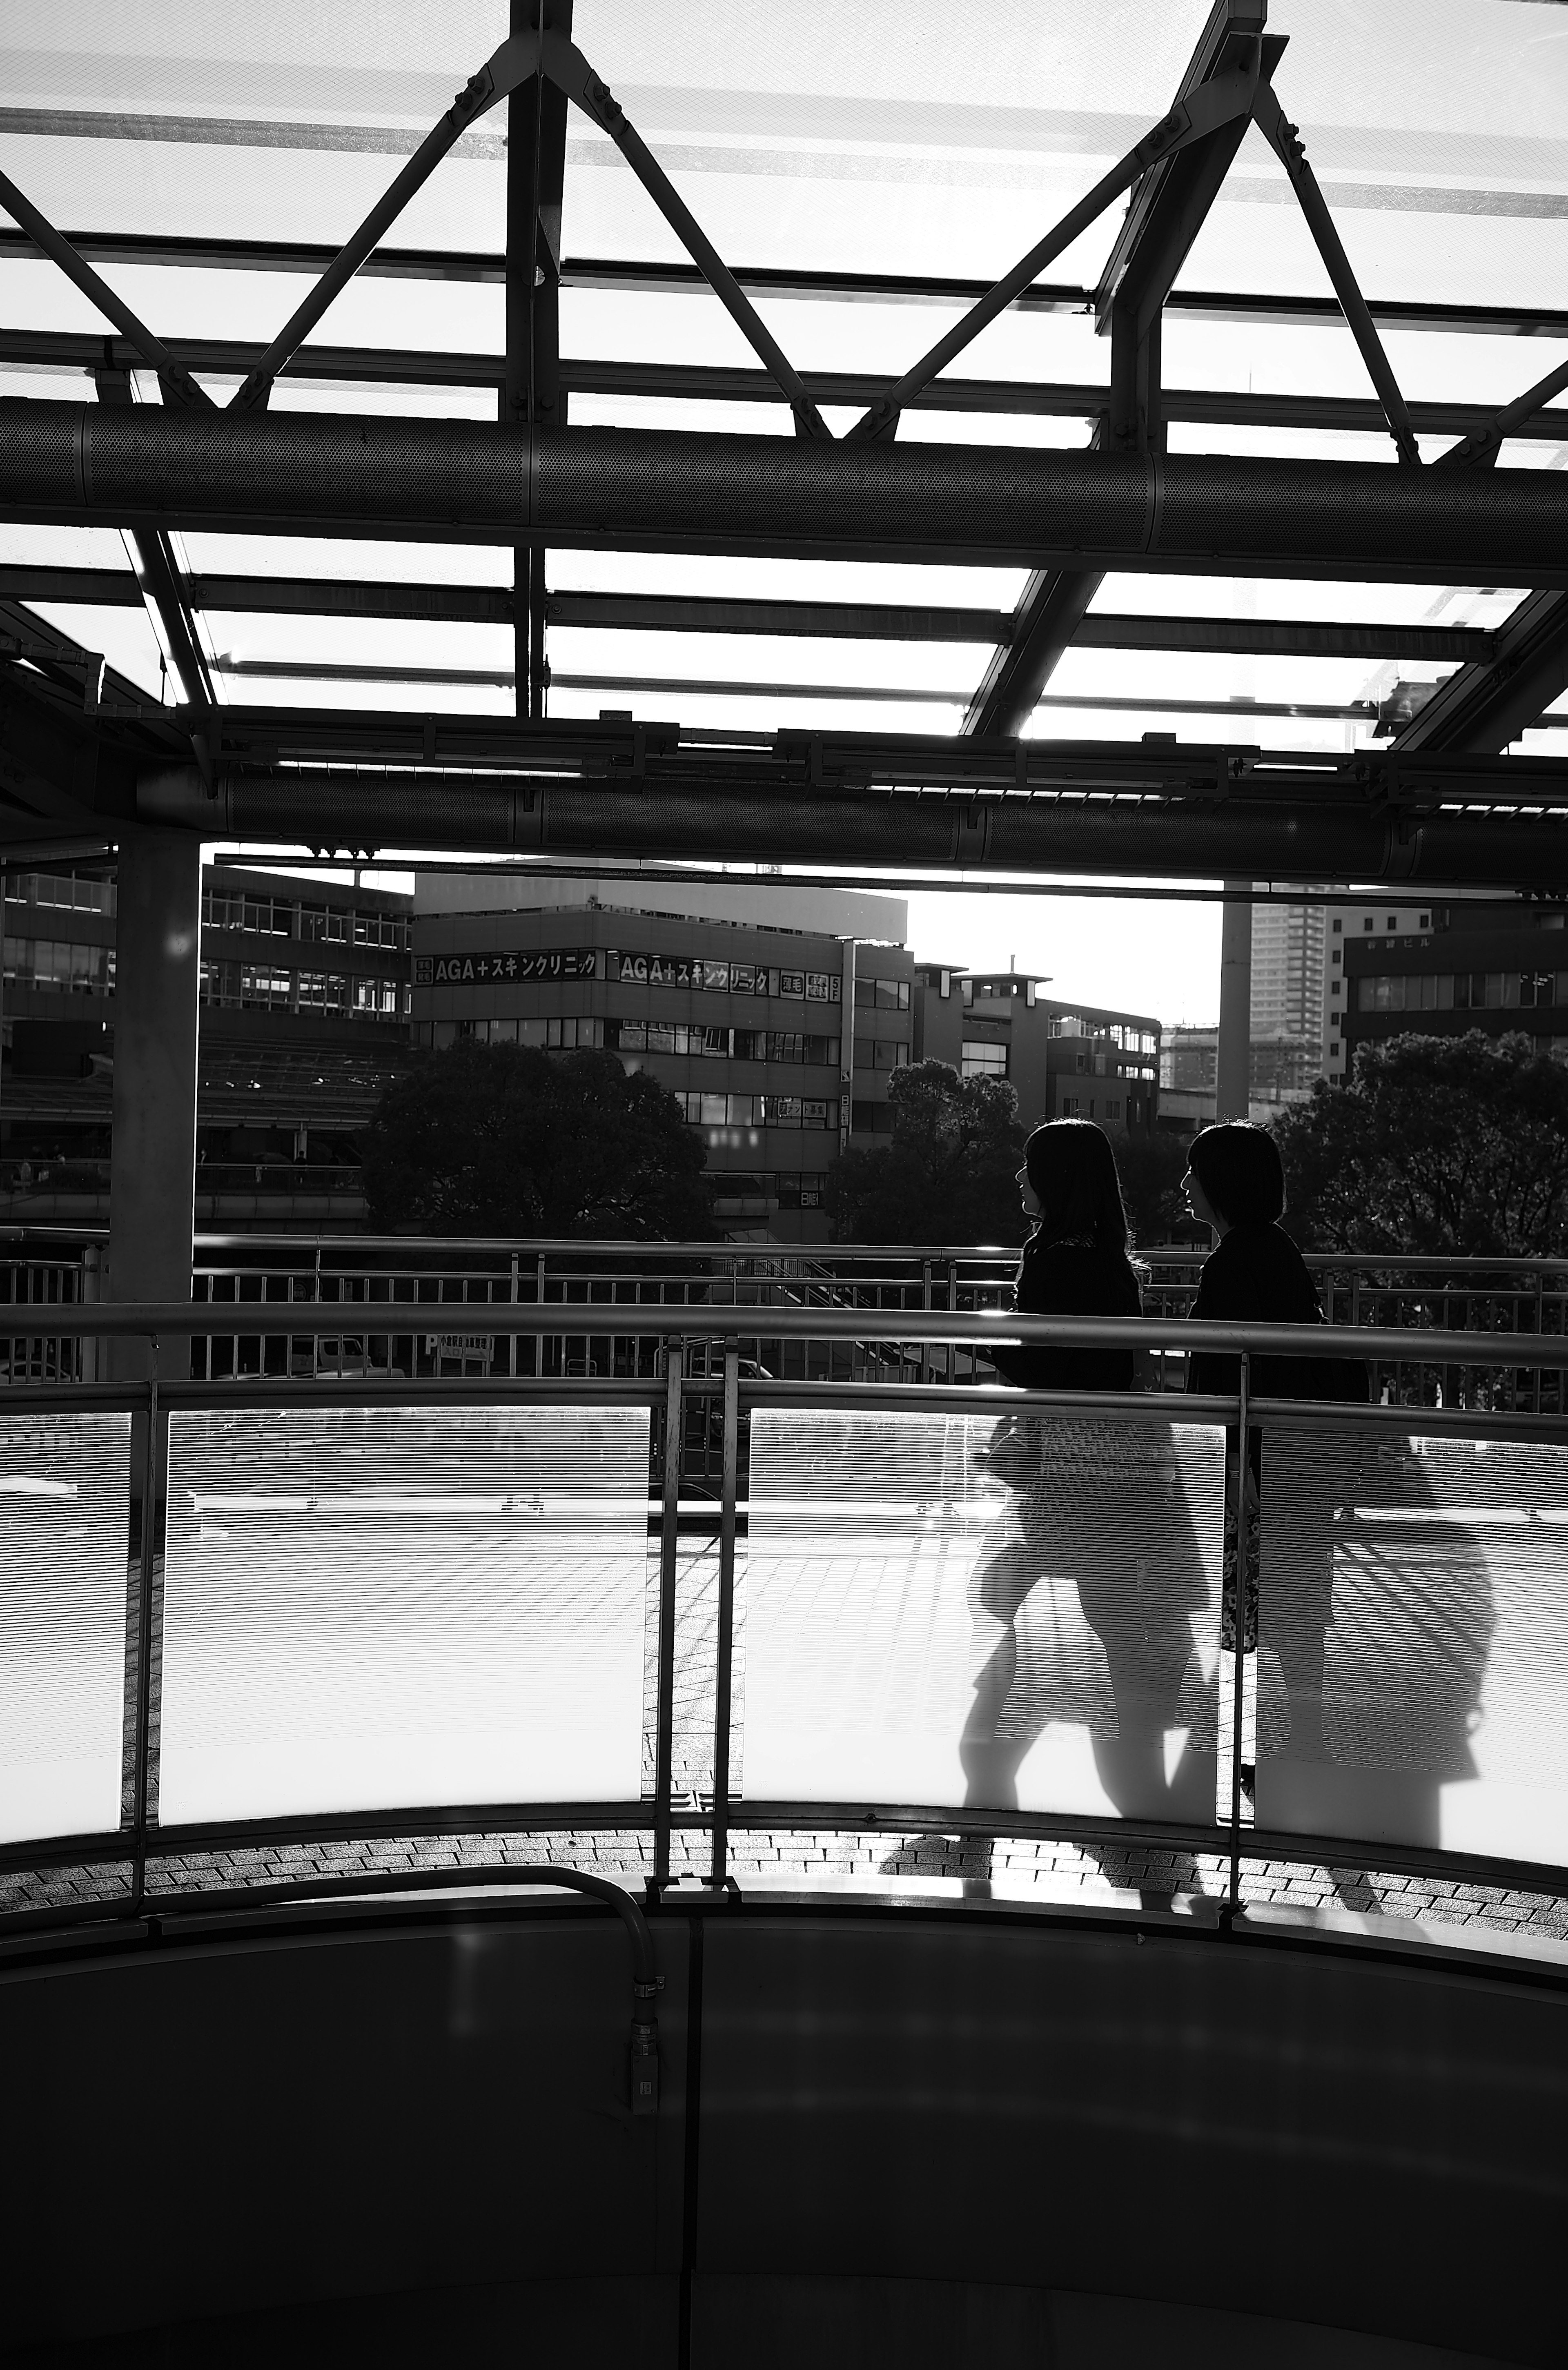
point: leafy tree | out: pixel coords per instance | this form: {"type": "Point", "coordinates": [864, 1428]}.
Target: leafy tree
{"type": "Point", "coordinates": [1151, 1169]}
{"type": "Point", "coordinates": [508, 1140]}
{"type": "Point", "coordinates": [1437, 1145]}
{"type": "Point", "coordinates": [948, 1174]}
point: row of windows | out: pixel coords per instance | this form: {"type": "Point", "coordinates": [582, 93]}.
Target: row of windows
{"type": "Point", "coordinates": [568, 1032]}
{"type": "Point", "coordinates": [759, 1110]}
{"type": "Point", "coordinates": [1465, 991]}
{"type": "Point", "coordinates": [791, 1189]}
{"type": "Point", "coordinates": [59, 965]}
{"type": "Point", "coordinates": [250, 986]}
{"type": "Point", "coordinates": [880, 1052]}
{"type": "Point", "coordinates": [61, 889]}
{"type": "Point", "coordinates": [981, 1059]}
{"type": "Point", "coordinates": [235, 909]}
{"type": "Point", "coordinates": [1084, 1107]}
{"type": "Point", "coordinates": [1369, 922]}
{"type": "Point", "coordinates": [882, 995]}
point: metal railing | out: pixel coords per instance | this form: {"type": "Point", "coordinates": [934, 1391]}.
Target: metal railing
{"type": "Point", "coordinates": [700, 1355]}
{"type": "Point", "coordinates": [422, 1307]}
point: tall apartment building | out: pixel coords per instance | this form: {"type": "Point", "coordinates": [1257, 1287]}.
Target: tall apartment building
{"type": "Point", "coordinates": [1065, 1061]}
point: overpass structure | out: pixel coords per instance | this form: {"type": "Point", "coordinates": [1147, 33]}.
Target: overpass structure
{"type": "Point", "coordinates": [831, 413]}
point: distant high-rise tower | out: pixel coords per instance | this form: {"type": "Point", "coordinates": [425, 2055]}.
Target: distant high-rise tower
{"type": "Point", "coordinates": [1288, 971]}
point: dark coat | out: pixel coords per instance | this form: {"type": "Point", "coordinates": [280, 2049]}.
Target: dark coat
{"type": "Point", "coordinates": [1071, 1279]}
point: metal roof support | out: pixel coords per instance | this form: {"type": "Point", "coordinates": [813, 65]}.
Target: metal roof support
{"type": "Point", "coordinates": [178, 385]}
{"type": "Point", "coordinates": [1208, 106]}
{"type": "Point", "coordinates": [1482, 707]}
{"type": "Point", "coordinates": [703, 613]}
{"type": "Point", "coordinates": [1480, 447]}
{"type": "Point", "coordinates": [1163, 218]}
{"type": "Point", "coordinates": [164, 593]}
{"type": "Point", "coordinates": [468, 482]}
{"type": "Point", "coordinates": [1285, 141]}
{"type": "Point", "coordinates": [478, 267]}
{"type": "Point", "coordinates": [532, 396]}
{"type": "Point", "coordinates": [548, 53]}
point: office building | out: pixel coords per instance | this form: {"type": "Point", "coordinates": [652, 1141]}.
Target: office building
{"type": "Point", "coordinates": [778, 1040]}
{"type": "Point", "coordinates": [1499, 965]}
{"type": "Point", "coordinates": [1064, 1061]}
{"type": "Point", "coordinates": [303, 1022]}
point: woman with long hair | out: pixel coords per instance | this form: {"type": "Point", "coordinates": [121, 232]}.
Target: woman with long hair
{"type": "Point", "coordinates": [1096, 1504]}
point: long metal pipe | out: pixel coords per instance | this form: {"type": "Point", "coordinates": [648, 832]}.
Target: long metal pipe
{"type": "Point", "coordinates": [461, 480]}
{"type": "Point", "coordinates": [1202, 839]}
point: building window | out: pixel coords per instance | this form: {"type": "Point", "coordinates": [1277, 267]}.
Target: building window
{"type": "Point", "coordinates": [882, 995]}
{"type": "Point", "coordinates": [880, 1052]}
{"type": "Point", "coordinates": [872, 1118]}
{"type": "Point", "coordinates": [1070, 1108]}
{"type": "Point", "coordinates": [981, 1059]}
{"type": "Point", "coordinates": [61, 966]}
{"type": "Point", "coordinates": [1113, 1111]}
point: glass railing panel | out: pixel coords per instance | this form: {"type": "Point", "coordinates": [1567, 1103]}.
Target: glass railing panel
{"type": "Point", "coordinates": [1412, 1682]}
{"type": "Point", "coordinates": [64, 1512]}
{"type": "Point", "coordinates": [382, 1608]}
{"type": "Point", "coordinates": [995, 1611]}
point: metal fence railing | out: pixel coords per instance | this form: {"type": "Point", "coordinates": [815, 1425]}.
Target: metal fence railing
{"type": "Point", "coordinates": [403, 1604]}
{"type": "Point", "coordinates": [425, 1308]}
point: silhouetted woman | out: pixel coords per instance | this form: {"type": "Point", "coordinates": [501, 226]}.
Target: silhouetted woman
{"type": "Point", "coordinates": [1086, 1491]}
{"type": "Point", "coordinates": [1235, 1183]}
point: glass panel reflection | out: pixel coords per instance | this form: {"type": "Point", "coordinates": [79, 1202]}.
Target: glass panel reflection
{"type": "Point", "coordinates": [1413, 1636]}
{"type": "Point", "coordinates": [373, 1607]}
{"type": "Point", "coordinates": [63, 1570]}
{"type": "Point", "coordinates": [1015, 1611]}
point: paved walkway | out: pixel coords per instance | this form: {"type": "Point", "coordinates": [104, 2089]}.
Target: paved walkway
{"type": "Point", "coordinates": [1059, 1870]}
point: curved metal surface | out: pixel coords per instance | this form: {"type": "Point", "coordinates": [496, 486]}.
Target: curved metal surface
{"type": "Point", "coordinates": [360, 2120]}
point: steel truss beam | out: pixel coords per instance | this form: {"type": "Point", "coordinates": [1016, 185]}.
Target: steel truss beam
{"type": "Point", "coordinates": [458, 481]}
{"type": "Point", "coordinates": [1483, 706]}
{"type": "Point", "coordinates": [309, 597]}
{"type": "Point", "coordinates": [886, 801]}
{"type": "Point", "coordinates": [67, 350]}
{"type": "Point", "coordinates": [160, 251]}
{"type": "Point", "coordinates": [531, 394]}
{"type": "Point", "coordinates": [1164, 215]}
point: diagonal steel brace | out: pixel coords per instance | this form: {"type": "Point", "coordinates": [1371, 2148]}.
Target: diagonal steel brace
{"type": "Point", "coordinates": [1193, 117]}
{"type": "Point", "coordinates": [522, 56]}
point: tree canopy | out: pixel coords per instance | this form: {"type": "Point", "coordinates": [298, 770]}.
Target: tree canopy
{"type": "Point", "coordinates": [947, 1175]}
{"type": "Point", "coordinates": [1436, 1145]}
{"type": "Point", "coordinates": [509, 1140]}
{"type": "Point", "coordinates": [1151, 1169]}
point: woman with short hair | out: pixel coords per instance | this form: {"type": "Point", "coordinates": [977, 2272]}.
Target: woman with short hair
{"type": "Point", "coordinates": [1255, 1275]}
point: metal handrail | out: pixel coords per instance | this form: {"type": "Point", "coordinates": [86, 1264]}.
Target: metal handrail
{"type": "Point", "coordinates": [357, 1250]}
{"type": "Point", "coordinates": [980, 1329]}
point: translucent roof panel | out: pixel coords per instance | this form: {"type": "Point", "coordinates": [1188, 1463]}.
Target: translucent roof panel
{"type": "Point", "coordinates": [886, 136]}
{"type": "Point", "coordinates": [901, 141]}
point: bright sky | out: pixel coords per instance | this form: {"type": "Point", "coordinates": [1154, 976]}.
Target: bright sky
{"type": "Point", "coordinates": [1151, 955]}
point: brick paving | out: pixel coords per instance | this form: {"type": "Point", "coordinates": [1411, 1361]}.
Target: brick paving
{"type": "Point", "coordinates": [1052, 1869]}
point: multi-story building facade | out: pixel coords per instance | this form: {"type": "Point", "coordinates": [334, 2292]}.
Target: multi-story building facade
{"type": "Point", "coordinates": [1350, 930]}
{"type": "Point", "coordinates": [1064, 1061]}
{"type": "Point", "coordinates": [303, 1022]}
{"type": "Point", "coordinates": [779, 1042]}
{"type": "Point", "coordinates": [1497, 966]}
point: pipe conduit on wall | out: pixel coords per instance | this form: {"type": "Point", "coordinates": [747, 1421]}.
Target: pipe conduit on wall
{"type": "Point", "coordinates": [508, 815]}
{"type": "Point", "coordinates": [460, 480]}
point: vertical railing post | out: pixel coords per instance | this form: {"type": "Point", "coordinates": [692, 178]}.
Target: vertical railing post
{"type": "Point", "coordinates": [512, 1360]}
{"type": "Point", "coordinates": [722, 1687]}
{"type": "Point", "coordinates": [1243, 1466]}
{"type": "Point", "coordinates": [669, 1532]}
{"type": "Point", "coordinates": [142, 1760]}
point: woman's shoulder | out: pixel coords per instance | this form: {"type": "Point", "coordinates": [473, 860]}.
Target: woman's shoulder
{"type": "Point", "coordinates": [1078, 1277]}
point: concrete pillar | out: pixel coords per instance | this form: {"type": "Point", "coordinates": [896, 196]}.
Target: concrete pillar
{"type": "Point", "coordinates": [1234, 1060]}
{"type": "Point", "coordinates": [153, 1165]}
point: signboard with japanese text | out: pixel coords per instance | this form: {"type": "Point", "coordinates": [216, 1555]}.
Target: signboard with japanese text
{"type": "Point", "coordinates": [511, 968]}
